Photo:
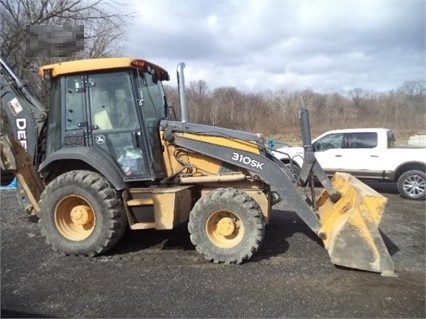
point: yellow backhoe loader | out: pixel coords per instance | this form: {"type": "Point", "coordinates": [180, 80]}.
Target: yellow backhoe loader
{"type": "Point", "coordinates": [104, 156]}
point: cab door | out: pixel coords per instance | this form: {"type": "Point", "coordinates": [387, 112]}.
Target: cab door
{"type": "Point", "coordinates": [101, 113]}
{"type": "Point", "coordinates": [152, 105]}
{"type": "Point", "coordinates": [74, 117]}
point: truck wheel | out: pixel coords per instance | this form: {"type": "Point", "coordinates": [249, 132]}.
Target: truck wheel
{"type": "Point", "coordinates": [226, 226]}
{"type": "Point", "coordinates": [411, 184]}
{"type": "Point", "coordinates": [81, 214]}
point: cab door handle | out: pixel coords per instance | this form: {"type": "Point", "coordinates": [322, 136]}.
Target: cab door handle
{"type": "Point", "coordinates": [135, 138]}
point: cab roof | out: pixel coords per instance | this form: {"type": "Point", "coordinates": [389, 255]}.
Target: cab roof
{"type": "Point", "coordinates": [89, 65]}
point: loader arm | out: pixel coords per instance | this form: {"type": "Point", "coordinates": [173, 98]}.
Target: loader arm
{"type": "Point", "coordinates": [345, 216]}
{"type": "Point", "coordinates": [262, 166]}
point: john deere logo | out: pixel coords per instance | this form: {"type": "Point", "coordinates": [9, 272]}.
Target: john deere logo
{"type": "Point", "coordinates": [100, 139]}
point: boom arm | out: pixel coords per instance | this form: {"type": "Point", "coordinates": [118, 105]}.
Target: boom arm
{"type": "Point", "coordinates": [23, 119]}
{"type": "Point", "coordinates": [23, 110]}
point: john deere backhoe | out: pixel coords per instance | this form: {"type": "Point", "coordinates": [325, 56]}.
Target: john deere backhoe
{"type": "Point", "coordinates": [104, 157]}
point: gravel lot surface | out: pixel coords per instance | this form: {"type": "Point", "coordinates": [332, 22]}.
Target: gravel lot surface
{"type": "Point", "coordinates": [159, 274]}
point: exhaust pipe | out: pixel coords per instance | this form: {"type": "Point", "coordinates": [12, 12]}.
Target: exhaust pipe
{"type": "Point", "coordinates": [306, 130]}
{"type": "Point", "coordinates": [182, 94]}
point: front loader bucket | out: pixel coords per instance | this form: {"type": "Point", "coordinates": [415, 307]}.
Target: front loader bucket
{"type": "Point", "coordinates": [349, 227]}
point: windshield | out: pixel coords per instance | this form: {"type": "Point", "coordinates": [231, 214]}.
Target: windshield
{"type": "Point", "coordinates": [150, 96]}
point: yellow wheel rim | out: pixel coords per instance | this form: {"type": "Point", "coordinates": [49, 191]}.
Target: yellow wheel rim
{"type": "Point", "coordinates": [225, 229]}
{"type": "Point", "coordinates": [75, 218]}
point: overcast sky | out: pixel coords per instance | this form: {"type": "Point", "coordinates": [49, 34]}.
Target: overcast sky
{"type": "Point", "coordinates": [326, 46]}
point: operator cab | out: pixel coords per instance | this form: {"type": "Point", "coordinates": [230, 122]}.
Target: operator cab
{"type": "Point", "coordinates": [114, 106]}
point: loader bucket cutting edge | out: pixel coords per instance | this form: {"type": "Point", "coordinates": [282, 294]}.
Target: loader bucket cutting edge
{"type": "Point", "coordinates": [349, 227]}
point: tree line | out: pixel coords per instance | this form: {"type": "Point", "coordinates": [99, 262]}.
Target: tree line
{"type": "Point", "coordinates": [276, 113]}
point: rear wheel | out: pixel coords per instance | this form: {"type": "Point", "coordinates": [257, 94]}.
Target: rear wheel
{"type": "Point", "coordinates": [411, 184]}
{"type": "Point", "coordinates": [226, 226]}
{"type": "Point", "coordinates": [81, 214]}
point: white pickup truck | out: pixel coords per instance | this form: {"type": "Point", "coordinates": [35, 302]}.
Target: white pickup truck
{"type": "Point", "coordinates": [366, 154]}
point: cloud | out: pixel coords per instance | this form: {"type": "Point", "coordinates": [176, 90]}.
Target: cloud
{"type": "Point", "coordinates": [327, 46]}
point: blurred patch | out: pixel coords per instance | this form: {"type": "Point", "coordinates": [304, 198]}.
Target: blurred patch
{"type": "Point", "coordinates": [54, 40]}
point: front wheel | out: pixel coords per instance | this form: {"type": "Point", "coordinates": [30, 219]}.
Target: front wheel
{"type": "Point", "coordinates": [411, 184]}
{"type": "Point", "coordinates": [81, 214]}
{"type": "Point", "coordinates": [226, 226]}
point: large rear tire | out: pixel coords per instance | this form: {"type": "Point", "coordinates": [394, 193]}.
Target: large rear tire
{"type": "Point", "coordinates": [226, 226]}
{"type": "Point", "coordinates": [411, 184]}
{"type": "Point", "coordinates": [81, 214]}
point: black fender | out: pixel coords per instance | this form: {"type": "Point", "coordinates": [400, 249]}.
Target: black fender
{"type": "Point", "coordinates": [95, 157]}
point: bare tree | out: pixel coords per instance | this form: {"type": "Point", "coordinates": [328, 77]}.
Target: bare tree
{"type": "Point", "coordinates": [413, 89]}
{"type": "Point", "coordinates": [229, 102]}
{"type": "Point", "coordinates": [104, 23]}
{"type": "Point", "coordinates": [199, 100]}
{"type": "Point", "coordinates": [357, 96]}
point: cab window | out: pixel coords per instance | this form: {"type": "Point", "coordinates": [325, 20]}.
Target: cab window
{"type": "Point", "coordinates": [112, 101]}
{"type": "Point", "coordinates": [74, 103]}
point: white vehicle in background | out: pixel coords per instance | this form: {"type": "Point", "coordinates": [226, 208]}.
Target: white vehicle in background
{"type": "Point", "coordinates": [367, 153]}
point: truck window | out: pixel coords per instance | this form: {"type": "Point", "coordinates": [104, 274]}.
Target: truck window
{"type": "Point", "coordinates": [391, 139]}
{"type": "Point", "coordinates": [360, 140]}
{"type": "Point", "coordinates": [329, 141]}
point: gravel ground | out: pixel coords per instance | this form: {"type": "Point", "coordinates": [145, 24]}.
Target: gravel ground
{"type": "Point", "coordinates": [159, 274]}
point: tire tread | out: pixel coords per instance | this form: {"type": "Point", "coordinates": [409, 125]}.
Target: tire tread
{"type": "Point", "coordinates": [252, 212]}
{"type": "Point", "coordinates": [112, 210]}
